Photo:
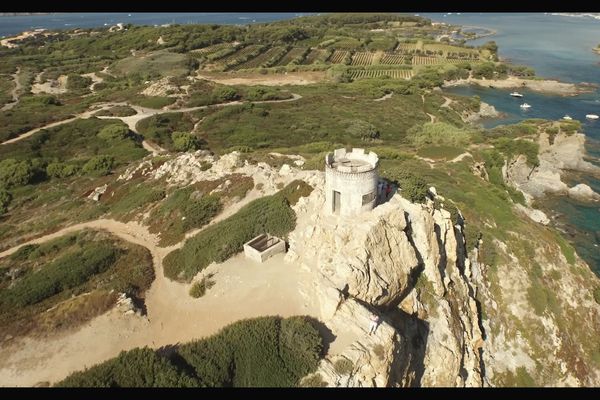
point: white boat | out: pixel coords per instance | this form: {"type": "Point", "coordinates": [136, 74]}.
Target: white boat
{"type": "Point", "coordinates": [516, 94]}
{"type": "Point", "coordinates": [525, 105]}
{"type": "Point", "coordinates": [568, 118]}
{"type": "Point", "coordinates": [592, 116]}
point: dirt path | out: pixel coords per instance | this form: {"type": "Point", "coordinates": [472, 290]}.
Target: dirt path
{"type": "Point", "coordinates": [95, 80]}
{"type": "Point", "coordinates": [385, 97]}
{"type": "Point", "coordinates": [290, 78]}
{"type": "Point", "coordinates": [14, 93]}
{"type": "Point", "coordinates": [243, 289]}
{"type": "Point", "coordinates": [142, 113]}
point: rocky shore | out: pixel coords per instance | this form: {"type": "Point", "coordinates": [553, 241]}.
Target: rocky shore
{"type": "Point", "coordinates": [546, 85]}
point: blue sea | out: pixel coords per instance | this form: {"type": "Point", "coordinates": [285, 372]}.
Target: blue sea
{"type": "Point", "coordinates": [556, 46]}
{"type": "Point", "coordinates": [12, 25]}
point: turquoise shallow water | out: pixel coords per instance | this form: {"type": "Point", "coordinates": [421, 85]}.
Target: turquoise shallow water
{"type": "Point", "coordinates": [557, 47]}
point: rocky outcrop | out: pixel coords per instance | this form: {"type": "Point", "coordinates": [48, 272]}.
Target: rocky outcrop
{"type": "Point", "coordinates": [405, 263]}
{"type": "Point", "coordinates": [485, 111]}
{"type": "Point", "coordinates": [565, 154]}
{"type": "Point", "coordinates": [583, 192]}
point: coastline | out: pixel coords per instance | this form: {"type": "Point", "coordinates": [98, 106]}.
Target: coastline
{"type": "Point", "coordinates": [545, 85]}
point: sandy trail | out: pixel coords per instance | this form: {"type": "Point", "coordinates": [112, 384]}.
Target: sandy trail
{"type": "Point", "coordinates": [14, 93]}
{"type": "Point", "coordinates": [243, 289]}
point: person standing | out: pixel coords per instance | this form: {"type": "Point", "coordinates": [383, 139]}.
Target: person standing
{"type": "Point", "coordinates": [374, 322]}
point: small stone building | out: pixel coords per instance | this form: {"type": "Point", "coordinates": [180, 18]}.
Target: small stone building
{"type": "Point", "coordinates": [263, 247]}
{"type": "Point", "coordinates": [350, 181]}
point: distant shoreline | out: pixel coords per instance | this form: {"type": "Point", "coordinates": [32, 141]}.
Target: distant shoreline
{"type": "Point", "coordinates": [543, 85]}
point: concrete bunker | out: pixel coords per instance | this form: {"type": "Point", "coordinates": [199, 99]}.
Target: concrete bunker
{"type": "Point", "coordinates": [263, 247]}
{"type": "Point", "coordinates": [351, 181]}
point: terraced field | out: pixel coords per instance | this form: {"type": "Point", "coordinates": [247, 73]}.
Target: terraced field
{"type": "Point", "coordinates": [420, 60]}
{"type": "Point", "coordinates": [375, 73]}
{"type": "Point", "coordinates": [212, 49]}
{"type": "Point", "coordinates": [314, 55]}
{"type": "Point", "coordinates": [338, 56]}
{"type": "Point", "coordinates": [261, 59]}
{"type": "Point", "coordinates": [362, 58]}
{"type": "Point", "coordinates": [406, 47]}
{"type": "Point", "coordinates": [239, 54]}
{"type": "Point", "coordinates": [294, 53]}
{"type": "Point", "coordinates": [392, 59]}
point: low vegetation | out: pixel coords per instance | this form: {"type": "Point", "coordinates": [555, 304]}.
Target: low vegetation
{"type": "Point", "coordinates": [218, 242]}
{"type": "Point", "coordinates": [87, 264]}
{"type": "Point", "coordinates": [260, 352]}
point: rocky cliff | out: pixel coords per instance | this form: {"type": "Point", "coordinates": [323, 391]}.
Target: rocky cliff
{"type": "Point", "coordinates": [446, 318]}
{"type": "Point", "coordinates": [564, 154]}
{"type": "Point", "coordinates": [405, 263]}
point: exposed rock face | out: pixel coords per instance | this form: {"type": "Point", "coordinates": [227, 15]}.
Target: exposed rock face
{"type": "Point", "coordinates": [564, 154]}
{"type": "Point", "coordinates": [583, 192]}
{"type": "Point", "coordinates": [485, 111]}
{"type": "Point", "coordinates": [372, 263]}
{"type": "Point", "coordinates": [535, 215]}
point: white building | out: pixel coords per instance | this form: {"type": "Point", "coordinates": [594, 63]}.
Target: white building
{"type": "Point", "coordinates": [350, 181]}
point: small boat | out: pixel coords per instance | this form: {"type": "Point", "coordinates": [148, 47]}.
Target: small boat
{"type": "Point", "coordinates": [525, 106]}
{"type": "Point", "coordinates": [567, 117]}
{"type": "Point", "coordinates": [592, 116]}
{"type": "Point", "coordinates": [516, 94]}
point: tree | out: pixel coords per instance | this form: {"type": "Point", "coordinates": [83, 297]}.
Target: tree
{"type": "Point", "coordinates": [60, 170]}
{"type": "Point", "coordinates": [99, 165]}
{"type": "Point", "coordinates": [5, 199]}
{"type": "Point", "coordinates": [15, 173]}
{"type": "Point", "coordinates": [362, 129]}
{"type": "Point", "coordinates": [222, 94]}
{"type": "Point", "coordinates": [183, 141]}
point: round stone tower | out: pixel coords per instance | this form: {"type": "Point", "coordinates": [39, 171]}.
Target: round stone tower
{"type": "Point", "coordinates": [350, 181]}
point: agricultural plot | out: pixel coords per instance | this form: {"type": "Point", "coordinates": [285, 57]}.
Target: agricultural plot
{"type": "Point", "coordinates": [338, 56]}
{"type": "Point", "coordinates": [362, 58]}
{"type": "Point", "coordinates": [392, 59]}
{"type": "Point", "coordinates": [376, 73]}
{"type": "Point", "coordinates": [260, 59]}
{"type": "Point", "coordinates": [239, 54]}
{"type": "Point", "coordinates": [212, 48]}
{"type": "Point", "coordinates": [406, 47]}
{"type": "Point", "coordinates": [347, 43]}
{"type": "Point", "coordinates": [420, 60]}
{"type": "Point", "coordinates": [291, 55]}
{"type": "Point", "coordinates": [314, 56]}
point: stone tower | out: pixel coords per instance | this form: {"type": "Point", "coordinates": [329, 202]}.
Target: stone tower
{"type": "Point", "coordinates": [350, 181]}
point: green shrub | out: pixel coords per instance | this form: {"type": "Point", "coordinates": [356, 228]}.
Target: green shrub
{"type": "Point", "coordinates": [140, 367]}
{"type": "Point", "coordinates": [514, 147]}
{"type": "Point", "coordinates": [199, 288]}
{"type": "Point", "coordinates": [137, 196]}
{"type": "Point", "coordinates": [183, 141]}
{"type": "Point", "coordinates": [538, 298]}
{"type": "Point", "coordinates": [156, 102]}
{"type": "Point", "coordinates": [61, 170]}
{"type": "Point", "coordinates": [99, 165]}
{"type": "Point", "coordinates": [112, 132]}
{"type": "Point", "coordinates": [597, 295]}
{"type": "Point", "coordinates": [362, 130]}
{"type": "Point", "coordinates": [438, 134]}
{"type": "Point", "coordinates": [199, 212]}
{"type": "Point", "coordinates": [216, 243]}
{"type": "Point", "coordinates": [5, 199]}
{"type": "Point", "coordinates": [78, 82]}
{"type": "Point", "coordinates": [343, 366]}
{"type": "Point", "coordinates": [223, 94]}
{"type": "Point", "coordinates": [15, 173]}
{"type": "Point", "coordinates": [247, 353]}
{"type": "Point", "coordinates": [64, 273]}
{"type": "Point", "coordinates": [412, 186]}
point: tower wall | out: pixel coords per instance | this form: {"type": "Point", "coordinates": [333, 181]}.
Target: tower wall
{"type": "Point", "coordinates": [357, 184]}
